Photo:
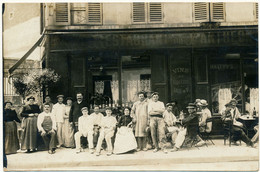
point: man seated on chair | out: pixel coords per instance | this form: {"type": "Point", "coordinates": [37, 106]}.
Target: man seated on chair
{"type": "Point", "coordinates": [191, 123]}
{"type": "Point", "coordinates": [232, 114]}
{"type": "Point", "coordinates": [176, 131]}
{"type": "Point", "coordinates": [96, 118]}
{"type": "Point", "coordinates": [46, 125]}
{"type": "Point", "coordinates": [84, 126]}
{"type": "Point", "coordinates": [205, 114]}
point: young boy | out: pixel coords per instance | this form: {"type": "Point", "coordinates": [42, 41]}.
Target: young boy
{"type": "Point", "coordinates": [46, 125]}
{"type": "Point", "coordinates": [108, 125]}
{"type": "Point", "coordinates": [59, 112]}
{"type": "Point", "coordinates": [84, 126]}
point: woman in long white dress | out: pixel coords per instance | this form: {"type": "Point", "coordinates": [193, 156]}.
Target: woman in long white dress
{"type": "Point", "coordinates": [125, 139]}
{"type": "Point", "coordinates": [68, 131]}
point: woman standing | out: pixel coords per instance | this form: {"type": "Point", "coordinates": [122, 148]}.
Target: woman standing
{"type": "Point", "coordinates": [68, 131]}
{"type": "Point", "coordinates": [125, 139]}
{"type": "Point", "coordinates": [10, 129]}
{"type": "Point", "coordinates": [30, 113]}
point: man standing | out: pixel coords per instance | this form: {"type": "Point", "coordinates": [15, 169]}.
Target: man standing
{"type": "Point", "coordinates": [157, 125]}
{"type": "Point", "coordinates": [47, 100]}
{"type": "Point", "coordinates": [96, 118]}
{"type": "Point", "coordinates": [46, 125]}
{"type": "Point", "coordinates": [140, 118]}
{"type": "Point", "coordinates": [75, 111]}
{"type": "Point", "coordinates": [59, 111]}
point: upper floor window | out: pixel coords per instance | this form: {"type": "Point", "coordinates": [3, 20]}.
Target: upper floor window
{"type": "Point", "coordinates": [147, 12]}
{"type": "Point", "coordinates": [80, 13]}
{"type": "Point", "coordinates": [209, 12]}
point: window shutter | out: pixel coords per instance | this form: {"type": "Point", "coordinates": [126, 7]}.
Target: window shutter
{"type": "Point", "coordinates": [217, 11]}
{"type": "Point", "coordinates": [155, 12]}
{"type": "Point", "coordinates": [139, 12]}
{"type": "Point", "coordinates": [256, 10]}
{"type": "Point", "coordinates": [62, 14]}
{"type": "Point", "coordinates": [94, 13]}
{"type": "Point", "coordinates": [201, 12]}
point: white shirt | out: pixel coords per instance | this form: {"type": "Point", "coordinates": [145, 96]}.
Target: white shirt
{"type": "Point", "coordinates": [41, 118]}
{"type": "Point", "coordinates": [85, 124]}
{"type": "Point", "coordinates": [108, 122]}
{"type": "Point", "coordinates": [96, 118]}
{"type": "Point", "coordinates": [156, 106]}
{"type": "Point", "coordinates": [59, 111]}
{"type": "Point", "coordinates": [169, 118]}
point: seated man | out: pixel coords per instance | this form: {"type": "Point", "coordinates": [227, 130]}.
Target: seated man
{"type": "Point", "coordinates": [46, 125]}
{"type": "Point", "coordinates": [96, 118]}
{"type": "Point", "coordinates": [205, 114]}
{"type": "Point", "coordinates": [108, 125]}
{"type": "Point", "coordinates": [84, 126]}
{"type": "Point", "coordinates": [191, 124]}
{"type": "Point", "coordinates": [177, 132]}
{"type": "Point", "coordinates": [232, 114]}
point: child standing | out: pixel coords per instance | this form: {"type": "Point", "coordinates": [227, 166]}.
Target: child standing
{"type": "Point", "coordinates": [108, 125]}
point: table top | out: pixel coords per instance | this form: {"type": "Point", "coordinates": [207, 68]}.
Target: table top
{"type": "Point", "coordinates": [247, 118]}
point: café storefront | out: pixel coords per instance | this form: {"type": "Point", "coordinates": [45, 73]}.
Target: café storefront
{"type": "Point", "coordinates": [181, 64]}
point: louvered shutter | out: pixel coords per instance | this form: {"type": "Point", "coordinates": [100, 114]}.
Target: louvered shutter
{"type": "Point", "coordinates": [62, 16]}
{"type": "Point", "coordinates": [139, 12]}
{"type": "Point", "coordinates": [201, 12]}
{"type": "Point", "coordinates": [256, 10]}
{"type": "Point", "coordinates": [94, 13]}
{"type": "Point", "coordinates": [155, 12]}
{"type": "Point", "coordinates": [217, 11]}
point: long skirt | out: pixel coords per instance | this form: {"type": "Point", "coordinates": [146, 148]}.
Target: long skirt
{"type": "Point", "coordinates": [125, 140]}
{"type": "Point", "coordinates": [29, 136]}
{"type": "Point", "coordinates": [68, 134]}
{"type": "Point", "coordinates": [11, 138]}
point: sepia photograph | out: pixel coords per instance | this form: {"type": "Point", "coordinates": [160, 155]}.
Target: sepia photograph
{"type": "Point", "coordinates": [130, 85]}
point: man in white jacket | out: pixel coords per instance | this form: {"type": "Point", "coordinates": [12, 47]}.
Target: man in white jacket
{"type": "Point", "coordinates": [59, 112]}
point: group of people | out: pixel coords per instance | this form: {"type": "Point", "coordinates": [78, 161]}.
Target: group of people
{"type": "Point", "coordinates": [147, 124]}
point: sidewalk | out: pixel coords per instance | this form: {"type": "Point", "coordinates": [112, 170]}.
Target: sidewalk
{"type": "Point", "coordinates": [65, 159]}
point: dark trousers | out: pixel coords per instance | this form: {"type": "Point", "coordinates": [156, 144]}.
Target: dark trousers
{"type": "Point", "coordinates": [50, 140]}
{"type": "Point", "coordinates": [238, 133]}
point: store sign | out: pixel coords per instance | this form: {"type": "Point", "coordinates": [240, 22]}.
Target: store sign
{"type": "Point", "coordinates": [154, 40]}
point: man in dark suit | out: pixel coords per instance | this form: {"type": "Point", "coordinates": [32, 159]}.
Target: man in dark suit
{"type": "Point", "coordinates": [75, 111]}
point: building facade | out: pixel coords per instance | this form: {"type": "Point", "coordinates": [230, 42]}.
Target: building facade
{"type": "Point", "coordinates": [182, 50]}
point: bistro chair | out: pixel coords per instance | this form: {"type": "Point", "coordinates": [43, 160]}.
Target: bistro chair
{"type": "Point", "coordinates": [227, 128]}
{"type": "Point", "coordinates": [206, 135]}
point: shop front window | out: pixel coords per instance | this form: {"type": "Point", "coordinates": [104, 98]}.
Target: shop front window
{"type": "Point", "coordinates": [225, 83]}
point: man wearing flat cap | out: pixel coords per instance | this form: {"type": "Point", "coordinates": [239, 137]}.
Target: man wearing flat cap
{"type": "Point", "coordinates": [191, 123]}
{"type": "Point", "coordinates": [231, 114]}
{"type": "Point", "coordinates": [59, 111]}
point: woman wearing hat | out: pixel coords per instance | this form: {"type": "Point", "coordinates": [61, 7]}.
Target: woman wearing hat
{"type": "Point", "coordinates": [68, 131]}
{"type": "Point", "coordinates": [30, 113]}
{"type": "Point", "coordinates": [11, 142]}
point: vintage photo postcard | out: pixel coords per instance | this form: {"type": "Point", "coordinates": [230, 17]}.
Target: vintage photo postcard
{"type": "Point", "coordinates": [130, 85]}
